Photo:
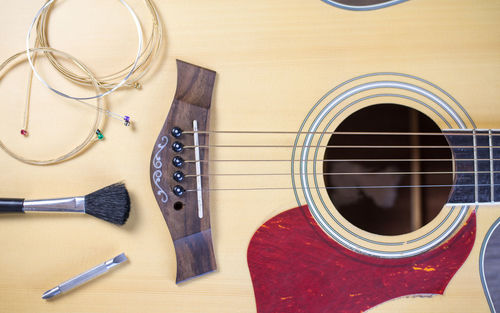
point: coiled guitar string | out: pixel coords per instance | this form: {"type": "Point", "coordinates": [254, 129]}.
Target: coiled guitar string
{"type": "Point", "coordinates": [128, 76]}
{"type": "Point", "coordinates": [91, 137]}
{"type": "Point", "coordinates": [139, 50]}
{"type": "Point", "coordinates": [24, 130]}
{"type": "Point", "coordinates": [147, 56]}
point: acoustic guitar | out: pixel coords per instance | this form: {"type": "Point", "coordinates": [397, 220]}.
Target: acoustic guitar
{"type": "Point", "coordinates": [388, 169]}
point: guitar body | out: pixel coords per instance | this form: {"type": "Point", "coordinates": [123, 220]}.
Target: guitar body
{"type": "Point", "coordinates": [294, 264]}
{"type": "Point", "coordinates": [317, 258]}
{"type": "Point", "coordinates": [321, 257]}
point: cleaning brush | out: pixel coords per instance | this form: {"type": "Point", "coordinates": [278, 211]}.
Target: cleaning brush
{"type": "Point", "coordinates": [111, 203]}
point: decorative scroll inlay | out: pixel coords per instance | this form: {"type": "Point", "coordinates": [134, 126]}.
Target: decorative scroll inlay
{"type": "Point", "coordinates": [157, 163]}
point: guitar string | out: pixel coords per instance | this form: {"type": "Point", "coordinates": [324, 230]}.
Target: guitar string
{"type": "Point", "coordinates": [341, 160]}
{"type": "Point", "coordinates": [347, 173]}
{"type": "Point", "coordinates": [335, 160]}
{"type": "Point", "coordinates": [259, 132]}
{"type": "Point", "coordinates": [139, 67]}
{"type": "Point", "coordinates": [343, 173]}
{"type": "Point", "coordinates": [118, 85]}
{"type": "Point", "coordinates": [342, 187]}
{"type": "Point", "coordinates": [339, 146]}
{"type": "Point", "coordinates": [147, 56]}
{"type": "Point", "coordinates": [97, 121]}
{"type": "Point", "coordinates": [351, 174]}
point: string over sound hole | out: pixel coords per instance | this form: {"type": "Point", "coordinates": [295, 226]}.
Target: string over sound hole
{"type": "Point", "coordinates": [400, 202]}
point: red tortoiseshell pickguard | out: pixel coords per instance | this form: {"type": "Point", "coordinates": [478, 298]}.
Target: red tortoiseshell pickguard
{"type": "Point", "coordinates": [295, 267]}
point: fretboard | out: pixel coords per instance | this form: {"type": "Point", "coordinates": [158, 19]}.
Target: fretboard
{"type": "Point", "coordinates": [476, 155]}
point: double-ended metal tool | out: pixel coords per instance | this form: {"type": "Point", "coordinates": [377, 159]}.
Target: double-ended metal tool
{"type": "Point", "coordinates": [85, 277]}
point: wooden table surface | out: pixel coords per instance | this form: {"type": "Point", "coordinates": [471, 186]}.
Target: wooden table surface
{"type": "Point", "coordinates": [274, 60]}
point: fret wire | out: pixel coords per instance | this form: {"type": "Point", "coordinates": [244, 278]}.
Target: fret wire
{"type": "Point", "coordinates": [492, 179]}
{"type": "Point", "coordinates": [476, 180]}
{"type": "Point", "coordinates": [337, 173]}
{"type": "Point", "coordinates": [336, 187]}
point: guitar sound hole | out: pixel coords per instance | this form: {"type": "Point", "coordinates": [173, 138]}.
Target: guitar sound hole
{"type": "Point", "coordinates": [397, 209]}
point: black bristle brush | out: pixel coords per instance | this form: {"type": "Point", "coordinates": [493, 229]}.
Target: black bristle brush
{"type": "Point", "coordinates": [111, 203]}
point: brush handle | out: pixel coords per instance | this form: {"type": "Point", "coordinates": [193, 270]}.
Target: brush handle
{"type": "Point", "coordinates": [8, 205]}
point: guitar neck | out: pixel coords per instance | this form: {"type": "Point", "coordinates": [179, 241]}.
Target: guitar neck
{"type": "Point", "coordinates": [476, 155]}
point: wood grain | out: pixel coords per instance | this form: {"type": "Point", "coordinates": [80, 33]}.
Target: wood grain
{"type": "Point", "coordinates": [274, 60]}
{"type": "Point", "coordinates": [191, 234]}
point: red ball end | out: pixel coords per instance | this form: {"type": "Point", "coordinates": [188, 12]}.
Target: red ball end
{"type": "Point", "coordinates": [24, 132]}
